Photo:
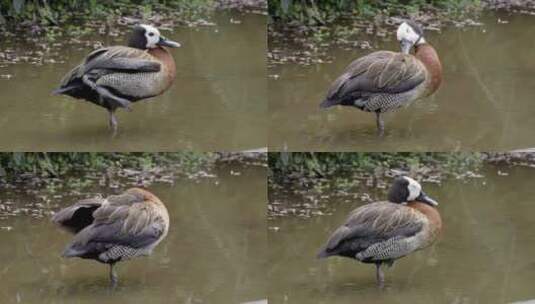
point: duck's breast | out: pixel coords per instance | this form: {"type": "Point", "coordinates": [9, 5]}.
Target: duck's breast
{"type": "Point", "coordinates": [433, 226]}
{"type": "Point", "coordinates": [429, 57]}
{"type": "Point", "coordinates": [168, 72]}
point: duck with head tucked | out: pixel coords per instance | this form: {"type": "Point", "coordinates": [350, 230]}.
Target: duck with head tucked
{"type": "Point", "coordinates": [113, 77]}
{"type": "Point", "coordinates": [115, 228]}
{"type": "Point", "coordinates": [382, 232]}
{"type": "Point", "coordinates": [384, 81]}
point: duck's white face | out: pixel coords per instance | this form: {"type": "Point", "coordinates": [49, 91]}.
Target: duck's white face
{"type": "Point", "coordinates": [406, 32]}
{"type": "Point", "coordinates": [408, 37]}
{"type": "Point", "coordinates": [152, 35]}
{"type": "Point", "coordinates": [414, 189]}
{"type": "Point", "coordinates": [416, 193]}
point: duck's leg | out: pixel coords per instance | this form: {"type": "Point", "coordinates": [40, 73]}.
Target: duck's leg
{"type": "Point", "coordinates": [380, 124]}
{"type": "Point", "coordinates": [380, 275]}
{"type": "Point", "coordinates": [113, 276]}
{"type": "Point", "coordinates": [112, 120]}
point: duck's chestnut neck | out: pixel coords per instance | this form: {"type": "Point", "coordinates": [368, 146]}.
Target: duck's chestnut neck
{"type": "Point", "coordinates": [429, 57]}
{"type": "Point", "coordinates": [430, 212]}
{"type": "Point", "coordinates": [168, 63]}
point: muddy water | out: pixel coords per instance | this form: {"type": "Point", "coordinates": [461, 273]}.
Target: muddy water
{"type": "Point", "coordinates": [214, 252]}
{"type": "Point", "coordinates": [485, 102]}
{"type": "Point", "coordinates": [217, 102]}
{"type": "Point", "coordinates": [485, 254]}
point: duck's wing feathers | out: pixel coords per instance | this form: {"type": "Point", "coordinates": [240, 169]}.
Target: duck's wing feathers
{"type": "Point", "coordinates": [120, 58]}
{"type": "Point", "coordinates": [104, 61]}
{"type": "Point", "coordinates": [78, 216]}
{"type": "Point", "coordinates": [372, 224]}
{"type": "Point", "coordinates": [379, 72]}
{"type": "Point", "coordinates": [124, 220]}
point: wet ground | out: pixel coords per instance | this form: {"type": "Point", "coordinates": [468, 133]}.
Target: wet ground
{"type": "Point", "coordinates": [217, 102]}
{"type": "Point", "coordinates": [483, 256]}
{"type": "Point", "coordinates": [485, 102]}
{"type": "Point", "coordinates": [214, 252]}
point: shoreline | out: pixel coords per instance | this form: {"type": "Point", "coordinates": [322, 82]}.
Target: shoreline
{"type": "Point", "coordinates": [297, 43]}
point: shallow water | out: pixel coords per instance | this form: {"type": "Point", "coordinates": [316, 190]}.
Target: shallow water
{"type": "Point", "coordinates": [485, 101]}
{"type": "Point", "coordinates": [217, 102]}
{"type": "Point", "coordinates": [485, 253]}
{"type": "Point", "coordinates": [214, 251]}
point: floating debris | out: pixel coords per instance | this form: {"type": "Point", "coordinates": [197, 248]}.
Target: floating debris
{"type": "Point", "coordinates": [235, 21]}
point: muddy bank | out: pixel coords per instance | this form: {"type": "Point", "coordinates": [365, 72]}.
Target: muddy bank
{"type": "Point", "coordinates": [306, 196]}
{"type": "Point", "coordinates": [520, 158]}
{"type": "Point", "coordinates": [38, 195]}
{"type": "Point", "coordinates": [514, 6]}
{"type": "Point", "coordinates": [48, 40]}
{"type": "Point", "coordinates": [305, 44]}
{"type": "Point", "coordinates": [253, 158]}
{"type": "Point", "coordinates": [253, 6]}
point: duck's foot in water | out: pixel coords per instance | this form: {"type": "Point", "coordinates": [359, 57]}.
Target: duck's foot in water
{"type": "Point", "coordinates": [114, 279]}
{"type": "Point", "coordinates": [380, 124]}
{"type": "Point", "coordinates": [380, 276]}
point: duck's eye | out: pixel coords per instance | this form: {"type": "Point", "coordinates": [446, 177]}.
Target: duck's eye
{"type": "Point", "coordinates": [151, 34]}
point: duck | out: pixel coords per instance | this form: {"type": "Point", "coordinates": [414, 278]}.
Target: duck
{"type": "Point", "coordinates": [384, 81]}
{"type": "Point", "coordinates": [382, 232]}
{"type": "Point", "coordinates": [114, 77]}
{"type": "Point", "coordinates": [114, 229]}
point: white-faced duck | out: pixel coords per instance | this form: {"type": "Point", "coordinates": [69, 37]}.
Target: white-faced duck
{"type": "Point", "coordinates": [382, 232]}
{"type": "Point", "coordinates": [113, 77]}
{"type": "Point", "coordinates": [384, 81]}
{"type": "Point", "coordinates": [116, 228]}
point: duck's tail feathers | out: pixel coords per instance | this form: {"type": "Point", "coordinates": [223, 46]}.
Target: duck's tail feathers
{"type": "Point", "coordinates": [71, 252]}
{"type": "Point", "coordinates": [328, 103]}
{"type": "Point", "coordinates": [63, 90]}
{"type": "Point", "coordinates": [323, 254]}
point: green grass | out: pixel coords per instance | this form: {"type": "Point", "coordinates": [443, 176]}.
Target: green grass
{"type": "Point", "coordinates": [57, 164]}
{"type": "Point", "coordinates": [56, 12]}
{"type": "Point", "coordinates": [322, 164]}
{"type": "Point", "coordinates": [313, 12]}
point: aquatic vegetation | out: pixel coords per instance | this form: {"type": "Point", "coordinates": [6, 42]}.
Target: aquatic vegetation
{"type": "Point", "coordinates": [57, 12]}
{"type": "Point", "coordinates": [322, 12]}
{"type": "Point", "coordinates": [302, 31]}
{"type": "Point", "coordinates": [33, 183]}
{"type": "Point", "coordinates": [324, 164]}
{"type": "Point", "coordinates": [300, 183]}
{"type": "Point", "coordinates": [46, 13]}
{"type": "Point", "coordinates": [45, 164]}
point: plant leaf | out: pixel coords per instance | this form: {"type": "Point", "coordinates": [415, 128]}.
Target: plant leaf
{"type": "Point", "coordinates": [18, 5]}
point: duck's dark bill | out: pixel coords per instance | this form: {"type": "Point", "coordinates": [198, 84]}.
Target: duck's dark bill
{"type": "Point", "coordinates": [426, 199]}
{"type": "Point", "coordinates": [405, 46]}
{"type": "Point", "coordinates": [169, 43]}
